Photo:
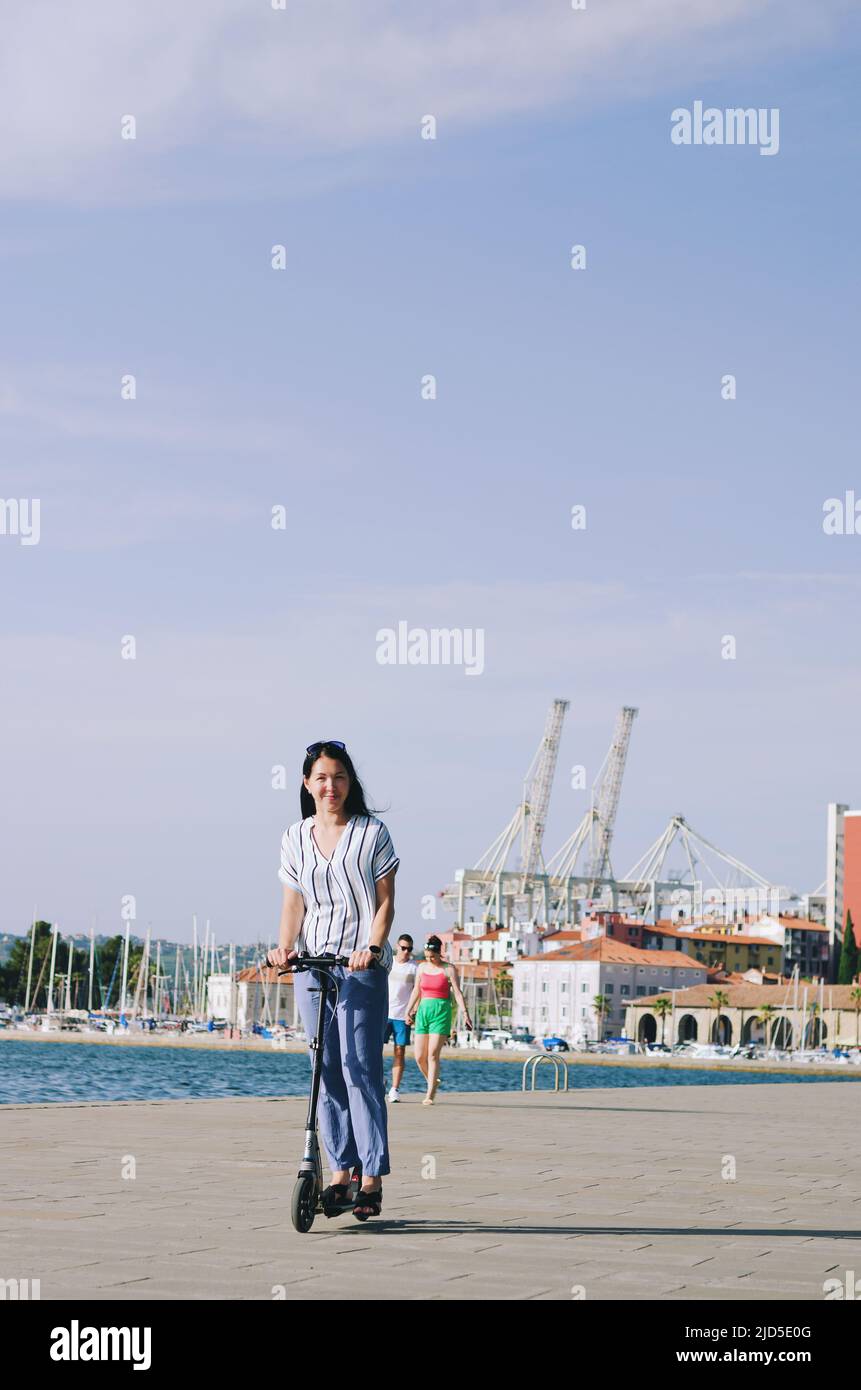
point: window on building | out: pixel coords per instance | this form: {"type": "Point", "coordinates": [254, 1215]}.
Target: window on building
{"type": "Point", "coordinates": [583, 989]}
{"type": "Point", "coordinates": [624, 989]}
{"type": "Point", "coordinates": [543, 986]}
{"type": "Point", "coordinates": [609, 989]}
{"type": "Point", "coordinates": [641, 989]}
{"type": "Point", "coordinates": [564, 987]}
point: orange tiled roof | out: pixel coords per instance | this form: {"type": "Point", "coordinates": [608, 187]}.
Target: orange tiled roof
{"type": "Point", "coordinates": [737, 938]}
{"type": "Point", "coordinates": [604, 948]}
{"type": "Point", "coordinates": [267, 975]}
{"type": "Point", "coordinates": [480, 969]}
{"type": "Point", "coordinates": [748, 996]}
{"type": "Point", "coordinates": [801, 924]}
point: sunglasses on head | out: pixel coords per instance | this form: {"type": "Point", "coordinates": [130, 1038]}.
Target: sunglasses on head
{"type": "Point", "coordinates": [326, 743]}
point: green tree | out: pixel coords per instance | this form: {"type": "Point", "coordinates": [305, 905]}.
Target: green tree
{"type": "Point", "coordinates": [13, 975]}
{"type": "Point", "coordinates": [848, 967]}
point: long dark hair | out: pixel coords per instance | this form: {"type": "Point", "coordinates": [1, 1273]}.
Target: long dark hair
{"type": "Point", "coordinates": [355, 802]}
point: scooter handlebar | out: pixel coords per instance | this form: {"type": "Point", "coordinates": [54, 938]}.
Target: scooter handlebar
{"type": "Point", "coordinates": [319, 962]}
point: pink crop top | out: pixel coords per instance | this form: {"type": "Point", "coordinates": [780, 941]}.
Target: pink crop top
{"type": "Point", "coordinates": [435, 986]}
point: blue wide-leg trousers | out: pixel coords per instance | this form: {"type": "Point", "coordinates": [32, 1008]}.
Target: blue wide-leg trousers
{"type": "Point", "coordinates": [352, 1109]}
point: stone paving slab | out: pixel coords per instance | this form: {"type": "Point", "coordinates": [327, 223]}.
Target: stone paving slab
{"type": "Point", "coordinates": [492, 1195]}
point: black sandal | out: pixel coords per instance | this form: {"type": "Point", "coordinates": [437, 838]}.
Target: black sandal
{"type": "Point", "coordinates": [336, 1198]}
{"type": "Point", "coordinates": [373, 1200]}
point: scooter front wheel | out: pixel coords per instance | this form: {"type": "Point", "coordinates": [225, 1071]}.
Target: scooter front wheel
{"type": "Point", "coordinates": [304, 1203]}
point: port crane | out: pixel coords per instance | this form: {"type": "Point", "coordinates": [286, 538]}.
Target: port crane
{"type": "Point", "coordinates": [593, 836]}
{"type": "Point", "coordinates": [490, 880]}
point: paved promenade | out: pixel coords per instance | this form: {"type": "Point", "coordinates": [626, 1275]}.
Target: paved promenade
{"type": "Point", "coordinates": [505, 1196]}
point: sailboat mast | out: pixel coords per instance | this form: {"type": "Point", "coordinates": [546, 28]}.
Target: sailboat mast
{"type": "Point", "coordinates": [125, 981]}
{"type": "Point", "coordinates": [204, 956]}
{"type": "Point", "coordinates": [92, 968]}
{"type": "Point", "coordinates": [143, 978]}
{"type": "Point", "coordinates": [56, 931]}
{"type": "Point", "coordinates": [69, 976]}
{"type": "Point", "coordinates": [234, 990]}
{"type": "Point", "coordinates": [194, 963]}
{"type": "Point", "coordinates": [30, 965]}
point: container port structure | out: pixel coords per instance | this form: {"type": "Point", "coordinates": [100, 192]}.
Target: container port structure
{"type": "Point", "coordinates": [534, 892]}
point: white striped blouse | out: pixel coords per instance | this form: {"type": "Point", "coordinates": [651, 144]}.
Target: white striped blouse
{"type": "Point", "coordinates": [339, 893]}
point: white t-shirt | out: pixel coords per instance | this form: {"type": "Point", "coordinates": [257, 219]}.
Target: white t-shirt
{"type": "Point", "coordinates": [339, 893]}
{"type": "Point", "coordinates": [402, 980]}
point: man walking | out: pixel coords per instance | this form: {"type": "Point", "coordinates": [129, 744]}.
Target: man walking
{"type": "Point", "coordinates": [402, 978]}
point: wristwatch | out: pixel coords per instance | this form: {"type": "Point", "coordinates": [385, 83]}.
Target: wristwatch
{"type": "Point", "coordinates": [376, 950]}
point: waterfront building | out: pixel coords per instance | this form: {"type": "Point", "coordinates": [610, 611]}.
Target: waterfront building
{"type": "Point", "coordinates": [456, 945]}
{"type": "Point", "coordinates": [727, 949]}
{"type": "Point", "coordinates": [554, 992]}
{"type": "Point", "coordinates": [843, 875]}
{"type": "Point", "coordinates": [694, 1018]}
{"type": "Point", "coordinates": [252, 996]}
{"type": "Point", "coordinates": [479, 942]}
{"type": "Point", "coordinates": [558, 937]}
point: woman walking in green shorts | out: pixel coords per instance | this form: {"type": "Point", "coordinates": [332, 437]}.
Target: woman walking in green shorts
{"type": "Point", "coordinates": [436, 980]}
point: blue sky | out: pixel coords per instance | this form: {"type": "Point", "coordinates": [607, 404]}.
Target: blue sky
{"type": "Point", "coordinates": [301, 387]}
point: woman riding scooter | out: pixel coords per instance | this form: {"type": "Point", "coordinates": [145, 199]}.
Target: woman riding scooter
{"type": "Point", "coordinates": [338, 869]}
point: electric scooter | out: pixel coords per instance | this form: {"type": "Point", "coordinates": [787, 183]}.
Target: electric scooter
{"type": "Point", "coordinates": [307, 1199]}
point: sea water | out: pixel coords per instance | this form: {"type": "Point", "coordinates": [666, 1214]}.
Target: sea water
{"type": "Point", "coordinates": [37, 1072]}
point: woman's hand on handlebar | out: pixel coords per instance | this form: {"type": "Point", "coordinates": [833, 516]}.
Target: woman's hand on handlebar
{"type": "Point", "coordinates": [281, 956]}
{"type": "Point", "coordinates": [361, 960]}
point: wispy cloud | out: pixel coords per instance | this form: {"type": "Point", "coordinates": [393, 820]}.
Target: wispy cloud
{"type": "Point", "coordinates": [339, 78]}
{"type": "Point", "coordinates": [805, 579]}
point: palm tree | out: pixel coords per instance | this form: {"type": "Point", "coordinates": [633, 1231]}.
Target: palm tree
{"type": "Point", "coordinates": [720, 999]}
{"type": "Point", "coordinates": [811, 1027]}
{"type": "Point", "coordinates": [502, 984]}
{"type": "Point", "coordinates": [764, 1016]}
{"type": "Point", "coordinates": [662, 1007]}
{"type": "Point", "coordinates": [602, 1006]}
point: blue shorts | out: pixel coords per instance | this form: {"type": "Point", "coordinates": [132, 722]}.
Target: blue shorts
{"type": "Point", "coordinates": [399, 1029]}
